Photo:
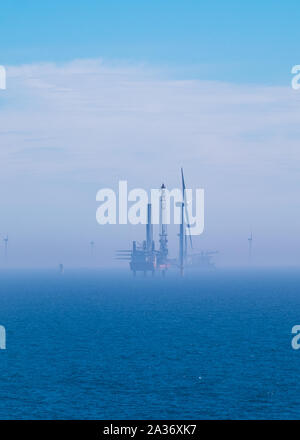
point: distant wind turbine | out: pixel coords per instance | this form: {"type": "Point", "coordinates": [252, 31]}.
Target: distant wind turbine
{"type": "Point", "coordinates": [5, 239]}
{"type": "Point", "coordinates": [92, 244]}
{"type": "Point", "coordinates": [250, 248]}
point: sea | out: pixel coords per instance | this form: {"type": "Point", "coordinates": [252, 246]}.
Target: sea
{"type": "Point", "coordinates": [99, 344]}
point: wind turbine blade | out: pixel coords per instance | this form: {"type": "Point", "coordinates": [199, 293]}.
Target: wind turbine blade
{"type": "Point", "coordinates": [183, 183]}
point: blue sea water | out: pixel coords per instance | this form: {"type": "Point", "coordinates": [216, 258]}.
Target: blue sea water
{"type": "Point", "coordinates": [101, 345]}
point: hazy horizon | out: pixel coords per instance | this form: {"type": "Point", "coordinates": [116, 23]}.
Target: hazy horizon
{"type": "Point", "coordinates": [133, 104]}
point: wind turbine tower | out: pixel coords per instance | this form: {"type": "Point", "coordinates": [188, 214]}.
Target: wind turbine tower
{"type": "Point", "coordinates": [92, 244]}
{"type": "Point", "coordinates": [250, 248]}
{"type": "Point", "coordinates": [183, 226]}
{"type": "Point", "coordinates": [5, 246]}
{"type": "Point", "coordinates": [163, 223]}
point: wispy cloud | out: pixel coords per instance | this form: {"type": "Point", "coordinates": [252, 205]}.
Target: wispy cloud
{"type": "Point", "coordinates": [89, 122]}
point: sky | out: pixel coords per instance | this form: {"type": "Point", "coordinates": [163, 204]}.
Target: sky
{"type": "Point", "coordinates": [222, 40]}
{"type": "Point", "coordinates": [103, 91]}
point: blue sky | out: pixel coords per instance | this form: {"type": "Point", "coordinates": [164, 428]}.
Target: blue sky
{"type": "Point", "coordinates": [99, 92]}
{"type": "Point", "coordinates": [255, 41]}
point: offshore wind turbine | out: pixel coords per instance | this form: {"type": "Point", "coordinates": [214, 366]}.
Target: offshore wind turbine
{"type": "Point", "coordinates": [182, 229]}
{"type": "Point", "coordinates": [5, 239]}
{"type": "Point", "coordinates": [250, 248]}
{"type": "Point", "coordinates": [92, 244]}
